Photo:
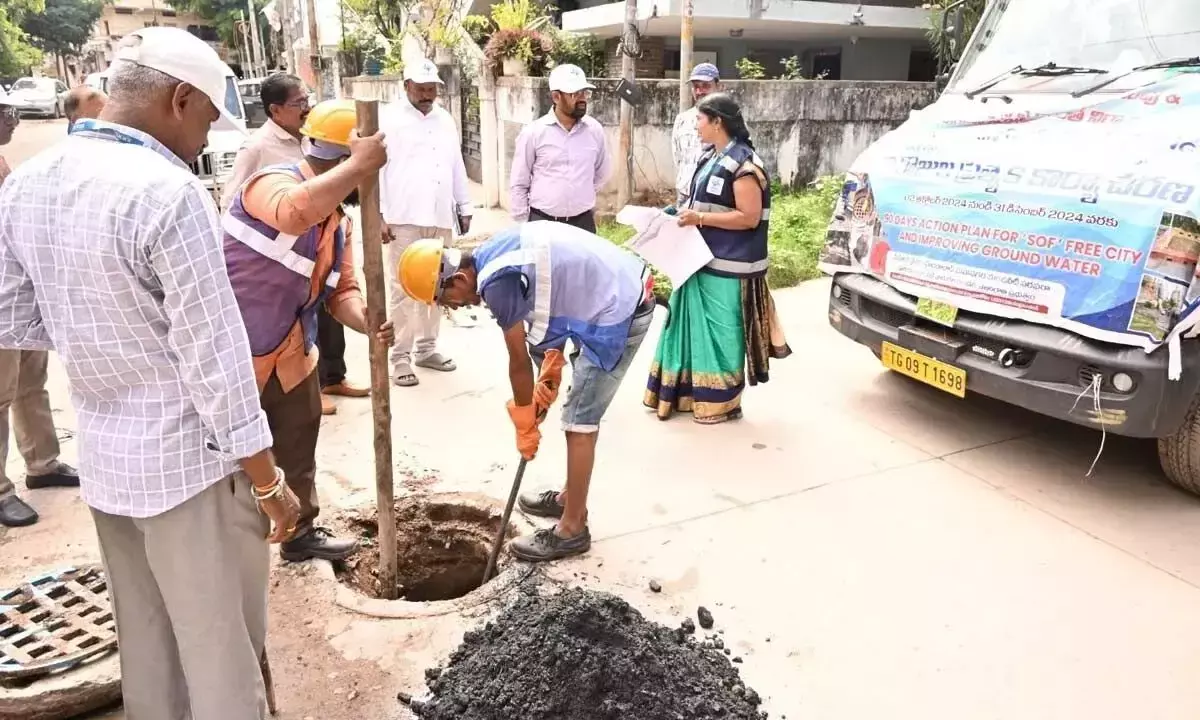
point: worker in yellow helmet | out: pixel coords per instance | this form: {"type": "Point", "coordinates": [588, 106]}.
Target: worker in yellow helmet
{"type": "Point", "coordinates": [287, 250]}
{"type": "Point", "coordinates": [548, 283]}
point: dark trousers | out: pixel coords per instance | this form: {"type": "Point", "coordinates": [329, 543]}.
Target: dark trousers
{"type": "Point", "coordinates": [331, 343]}
{"type": "Point", "coordinates": [583, 221]}
{"type": "Point", "coordinates": [295, 421]}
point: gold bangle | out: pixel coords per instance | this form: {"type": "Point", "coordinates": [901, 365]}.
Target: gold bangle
{"type": "Point", "coordinates": [270, 491]}
{"type": "Point", "coordinates": [701, 217]}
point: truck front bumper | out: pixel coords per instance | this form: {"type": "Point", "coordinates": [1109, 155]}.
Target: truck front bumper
{"type": "Point", "coordinates": [1044, 369]}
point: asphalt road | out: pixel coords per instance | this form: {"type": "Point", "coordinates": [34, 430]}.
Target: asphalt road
{"type": "Point", "coordinates": [31, 137]}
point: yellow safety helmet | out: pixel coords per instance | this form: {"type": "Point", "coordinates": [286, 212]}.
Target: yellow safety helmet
{"type": "Point", "coordinates": [424, 266]}
{"type": "Point", "coordinates": [331, 121]}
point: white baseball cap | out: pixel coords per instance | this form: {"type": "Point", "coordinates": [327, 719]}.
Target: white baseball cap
{"type": "Point", "coordinates": [183, 56]}
{"type": "Point", "coordinates": [569, 79]}
{"type": "Point", "coordinates": [422, 72]}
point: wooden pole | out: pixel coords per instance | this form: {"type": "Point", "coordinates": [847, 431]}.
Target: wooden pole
{"type": "Point", "coordinates": [628, 49]}
{"type": "Point", "coordinates": [685, 56]}
{"type": "Point", "coordinates": [381, 396]}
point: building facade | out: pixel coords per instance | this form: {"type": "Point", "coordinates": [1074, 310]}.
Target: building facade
{"type": "Point", "coordinates": [121, 17]}
{"type": "Point", "coordinates": [833, 39]}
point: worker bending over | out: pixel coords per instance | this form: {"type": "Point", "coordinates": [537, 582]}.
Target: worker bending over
{"type": "Point", "coordinates": [547, 283]}
{"type": "Point", "coordinates": [287, 250]}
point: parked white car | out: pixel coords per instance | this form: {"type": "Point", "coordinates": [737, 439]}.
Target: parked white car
{"type": "Point", "coordinates": [40, 96]}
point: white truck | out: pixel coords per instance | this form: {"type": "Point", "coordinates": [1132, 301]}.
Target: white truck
{"type": "Point", "coordinates": [214, 167]}
{"type": "Point", "coordinates": [1032, 236]}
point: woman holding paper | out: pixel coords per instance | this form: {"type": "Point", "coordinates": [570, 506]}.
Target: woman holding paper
{"type": "Point", "coordinates": [722, 328]}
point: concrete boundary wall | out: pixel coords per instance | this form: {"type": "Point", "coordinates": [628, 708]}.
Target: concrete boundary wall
{"type": "Point", "coordinates": [802, 128]}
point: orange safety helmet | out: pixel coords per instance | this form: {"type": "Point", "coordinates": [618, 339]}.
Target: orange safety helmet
{"type": "Point", "coordinates": [331, 121]}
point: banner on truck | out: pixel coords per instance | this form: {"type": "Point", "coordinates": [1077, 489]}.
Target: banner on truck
{"type": "Point", "coordinates": [1081, 216]}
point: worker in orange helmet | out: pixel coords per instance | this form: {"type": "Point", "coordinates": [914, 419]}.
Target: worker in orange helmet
{"type": "Point", "coordinates": [287, 250]}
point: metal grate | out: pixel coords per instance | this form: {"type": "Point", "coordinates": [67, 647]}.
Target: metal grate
{"type": "Point", "coordinates": [54, 622]}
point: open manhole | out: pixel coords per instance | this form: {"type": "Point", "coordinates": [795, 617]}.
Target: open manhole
{"type": "Point", "coordinates": [442, 544]}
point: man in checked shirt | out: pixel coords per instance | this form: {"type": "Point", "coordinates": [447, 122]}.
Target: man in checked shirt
{"type": "Point", "coordinates": [110, 253]}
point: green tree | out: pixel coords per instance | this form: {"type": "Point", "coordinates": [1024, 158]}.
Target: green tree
{"type": "Point", "coordinates": [63, 26]}
{"type": "Point", "coordinates": [941, 41]}
{"type": "Point", "coordinates": [17, 54]}
{"type": "Point", "coordinates": [224, 16]}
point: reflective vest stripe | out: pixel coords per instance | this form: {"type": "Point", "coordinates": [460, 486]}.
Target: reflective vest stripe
{"type": "Point", "coordinates": [535, 252]}
{"type": "Point", "coordinates": [715, 207]}
{"type": "Point", "coordinates": [279, 249]}
{"type": "Point", "coordinates": [735, 266]}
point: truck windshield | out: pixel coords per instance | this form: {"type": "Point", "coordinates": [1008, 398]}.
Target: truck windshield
{"type": "Point", "coordinates": [1112, 35]}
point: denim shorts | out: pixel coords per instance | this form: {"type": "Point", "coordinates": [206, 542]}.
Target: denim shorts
{"type": "Point", "coordinates": [592, 389]}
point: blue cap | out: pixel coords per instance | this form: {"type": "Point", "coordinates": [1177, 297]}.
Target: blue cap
{"type": "Point", "coordinates": [706, 72]}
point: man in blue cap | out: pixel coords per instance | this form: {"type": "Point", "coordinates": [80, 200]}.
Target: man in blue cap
{"type": "Point", "coordinates": [685, 142]}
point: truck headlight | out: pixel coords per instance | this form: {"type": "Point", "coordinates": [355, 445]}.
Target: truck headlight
{"type": "Point", "coordinates": [1122, 382]}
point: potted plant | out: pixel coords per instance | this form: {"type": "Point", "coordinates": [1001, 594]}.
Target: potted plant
{"type": "Point", "coordinates": [518, 45]}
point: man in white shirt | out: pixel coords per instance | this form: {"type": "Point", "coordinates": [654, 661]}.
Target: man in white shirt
{"type": "Point", "coordinates": [423, 194]}
{"type": "Point", "coordinates": [685, 141]}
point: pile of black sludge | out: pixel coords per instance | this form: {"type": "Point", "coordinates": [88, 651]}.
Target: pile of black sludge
{"type": "Point", "coordinates": [580, 655]}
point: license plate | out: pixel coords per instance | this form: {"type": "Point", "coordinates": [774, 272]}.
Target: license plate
{"type": "Point", "coordinates": [939, 312]}
{"type": "Point", "coordinates": [929, 371]}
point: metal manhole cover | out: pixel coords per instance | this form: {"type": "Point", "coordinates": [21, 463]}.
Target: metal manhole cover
{"type": "Point", "coordinates": [54, 622]}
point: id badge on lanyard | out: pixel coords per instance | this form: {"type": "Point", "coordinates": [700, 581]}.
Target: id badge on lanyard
{"type": "Point", "coordinates": [91, 128]}
{"type": "Point", "coordinates": [712, 185]}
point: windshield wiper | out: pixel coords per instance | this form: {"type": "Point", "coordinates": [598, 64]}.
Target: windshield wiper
{"type": "Point", "coordinates": [1164, 65]}
{"type": "Point", "coordinates": [1049, 69]}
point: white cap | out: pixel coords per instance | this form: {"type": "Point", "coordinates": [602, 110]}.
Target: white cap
{"type": "Point", "coordinates": [422, 72]}
{"type": "Point", "coordinates": [183, 56]}
{"type": "Point", "coordinates": [569, 79]}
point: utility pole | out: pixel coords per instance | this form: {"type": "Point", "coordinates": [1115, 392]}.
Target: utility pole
{"type": "Point", "coordinates": [685, 56]}
{"type": "Point", "coordinates": [289, 42]}
{"type": "Point", "coordinates": [314, 50]}
{"type": "Point", "coordinates": [259, 60]}
{"type": "Point", "coordinates": [629, 48]}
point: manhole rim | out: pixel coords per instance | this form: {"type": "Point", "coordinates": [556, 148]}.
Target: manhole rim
{"type": "Point", "coordinates": [492, 591]}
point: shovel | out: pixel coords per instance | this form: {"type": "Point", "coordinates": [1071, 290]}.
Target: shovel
{"type": "Point", "coordinates": [551, 376]}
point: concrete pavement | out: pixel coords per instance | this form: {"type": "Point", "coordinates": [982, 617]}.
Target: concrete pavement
{"type": "Point", "coordinates": [871, 547]}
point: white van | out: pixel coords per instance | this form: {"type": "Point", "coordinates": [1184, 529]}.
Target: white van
{"type": "Point", "coordinates": [1034, 235]}
{"type": "Point", "coordinates": [215, 166]}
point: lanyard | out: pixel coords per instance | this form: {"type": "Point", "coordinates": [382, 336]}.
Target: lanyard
{"type": "Point", "coordinates": [90, 128]}
{"type": "Point", "coordinates": [709, 169]}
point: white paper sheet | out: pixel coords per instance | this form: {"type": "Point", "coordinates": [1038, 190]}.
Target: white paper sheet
{"type": "Point", "coordinates": [676, 251]}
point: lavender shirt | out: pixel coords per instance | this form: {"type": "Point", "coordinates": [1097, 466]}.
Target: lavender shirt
{"type": "Point", "coordinates": [558, 171]}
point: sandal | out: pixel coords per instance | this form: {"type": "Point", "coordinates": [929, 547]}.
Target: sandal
{"type": "Point", "coordinates": [437, 361]}
{"type": "Point", "coordinates": [406, 379]}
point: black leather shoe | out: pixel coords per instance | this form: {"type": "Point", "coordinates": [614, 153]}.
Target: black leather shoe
{"type": "Point", "coordinates": [14, 512]}
{"type": "Point", "coordinates": [63, 475]}
{"type": "Point", "coordinates": [317, 543]}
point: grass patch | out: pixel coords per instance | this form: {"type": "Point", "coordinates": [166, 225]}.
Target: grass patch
{"type": "Point", "coordinates": [798, 223]}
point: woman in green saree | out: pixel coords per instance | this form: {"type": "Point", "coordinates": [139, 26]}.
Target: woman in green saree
{"type": "Point", "coordinates": [722, 329]}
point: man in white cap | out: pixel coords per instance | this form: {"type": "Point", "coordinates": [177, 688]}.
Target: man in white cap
{"type": "Point", "coordinates": [110, 252]}
{"type": "Point", "coordinates": [685, 139]}
{"type": "Point", "coordinates": [561, 159]}
{"type": "Point", "coordinates": [424, 194]}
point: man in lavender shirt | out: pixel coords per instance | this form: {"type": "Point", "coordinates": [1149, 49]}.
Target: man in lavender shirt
{"type": "Point", "coordinates": [561, 159]}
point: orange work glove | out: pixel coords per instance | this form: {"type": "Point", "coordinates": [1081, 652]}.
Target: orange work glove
{"type": "Point", "coordinates": [545, 390]}
{"type": "Point", "coordinates": [525, 420]}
